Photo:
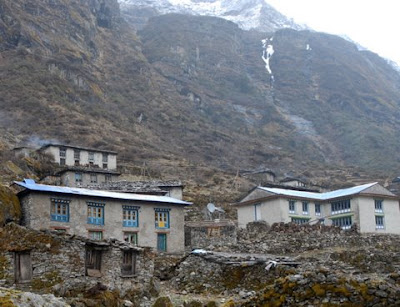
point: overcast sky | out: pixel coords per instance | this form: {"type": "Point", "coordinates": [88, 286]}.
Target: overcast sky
{"type": "Point", "coordinates": [372, 24]}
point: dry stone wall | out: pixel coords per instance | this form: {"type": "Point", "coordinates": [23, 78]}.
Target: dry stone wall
{"type": "Point", "coordinates": [58, 263]}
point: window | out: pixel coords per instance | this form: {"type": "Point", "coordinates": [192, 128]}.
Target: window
{"type": "Point", "coordinates": [95, 235]}
{"type": "Point", "coordinates": [23, 267]}
{"type": "Point", "coordinates": [62, 156]}
{"type": "Point", "coordinates": [341, 206]}
{"type": "Point", "coordinates": [342, 222]}
{"type": "Point", "coordinates": [379, 222]}
{"type": "Point", "coordinates": [105, 166]}
{"type": "Point", "coordinates": [59, 210]}
{"type": "Point", "coordinates": [93, 178]}
{"type": "Point", "coordinates": [77, 156]}
{"type": "Point", "coordinates": [91, 156]}
{"type": "Point", "coordinates": [305, 208]}
{"type": "Point", "coordinates": [78, 177]}
{"type": "Point", "coordinates": [63, 152]}
{"type": "Point", "coordinates": [299, 221]}
{"type": "Point", "coordinates": [131, 237]}
{"type": "Point", "coordinates": [378, 205]}
{"type": "Point", "coordinates": [162, 218]}
{"type": "Point", "coordinates": [108, 178]}
{"type": "Point", "coordinates": [95, 213]}
{"type": "Point", "coordinates": [105, 158]}
{"type": "Point", "coordinates": [93, 262]}
{"type": "Point", "coordinates": [292, 206]}
{"type": "Point", "coordinates": [317, 209]}
{"type": "Point", "coordinates": [128, 267]}
{"type": "Point", "coordinates": [130, 216]}
{"type": "Point", "coordinates": [162, 242]}
{"type": "Point", "coordinates": [257, 212]}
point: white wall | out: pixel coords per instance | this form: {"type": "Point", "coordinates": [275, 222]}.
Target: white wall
{"type": "Point", "coordinates": [391, 213]}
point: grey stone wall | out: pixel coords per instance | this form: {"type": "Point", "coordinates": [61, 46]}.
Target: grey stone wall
{"type": "Point", "coordinates": [206, 234]}
{"type": "Point", "coordinates": [58, 262]}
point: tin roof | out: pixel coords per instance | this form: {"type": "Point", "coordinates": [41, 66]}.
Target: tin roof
{"type": "Point", "coordinates": [31, 185]}
{"type": "Point", "coordinates": [320, 196]}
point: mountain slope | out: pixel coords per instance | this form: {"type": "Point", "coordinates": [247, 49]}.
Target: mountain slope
{"type": "Point", "coordinates": [342, 104]}
{"type": "Point", "coordinates": [193, 90]}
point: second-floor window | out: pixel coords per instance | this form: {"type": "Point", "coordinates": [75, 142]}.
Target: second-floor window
{"type": "Point", "coordinates": [91, 156]}
{"type": "Point", "coordinates": [292, 206]}
{"type": "Point", "coordinates": [317, 209]}
{"type": "Point", "coordinates": [105, 158]}
{"type": "Point", "coordinates": [130, 216]}
{"type": "Point", "coordinates": [77, 156]}
{"type": "Point", "coordinates": [63, 155]}
{"type": "Point", "coordinates": [305, 207]}
{"type": "Point", "coordinates": [161, 218]}
{"type": "Point", "coordinates": [95, 213]}
{"type": "Point", "coordinates": [378, 205]}
{"type": "Point", "coordinates": [59, 210]}
{"type": "Point", "coordinates": [341, 206]}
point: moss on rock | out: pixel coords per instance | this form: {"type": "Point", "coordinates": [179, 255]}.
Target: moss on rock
{"type": "Point", "coordinates": [10, 208]}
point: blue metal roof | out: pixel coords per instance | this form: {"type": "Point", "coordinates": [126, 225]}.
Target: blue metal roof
{"type": "Point", "coordinates": [31, 185]}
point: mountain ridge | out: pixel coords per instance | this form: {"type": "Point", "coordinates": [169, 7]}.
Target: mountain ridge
{"type": "Point", "coordinates": [248, 14]}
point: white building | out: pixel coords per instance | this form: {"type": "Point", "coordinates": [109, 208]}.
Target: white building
{"type": "Point", "coordinates": [67, 155]}
{"type": "Point", "coordinates": [372, 207]}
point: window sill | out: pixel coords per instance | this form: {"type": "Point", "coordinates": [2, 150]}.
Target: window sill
{"type": "Point", "coordinates": [161, 230]}
{"type": "Point", "coordinates": [93, 273]}
{"type": "Point", "coordinates": [128, 276]}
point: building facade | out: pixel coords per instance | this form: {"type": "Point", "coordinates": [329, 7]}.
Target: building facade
{"type": "Point", "coordinates": [371, 207]}
{"type": "Point", "coordinates": [84, 177]}
{"type": "Point", "coordinates": [66, 155]}
{"type": "Point", "coordinates": [144, 220]}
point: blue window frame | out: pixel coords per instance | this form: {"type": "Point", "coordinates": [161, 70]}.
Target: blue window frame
{"type": "Point", "coordinates": [130, 216]}
{"type": "Point", "coordinates": [162, 218]}
{"type": "Point", "coordinates": [95, 213]}
{"type": "Point", "coordinates": [59, 210]}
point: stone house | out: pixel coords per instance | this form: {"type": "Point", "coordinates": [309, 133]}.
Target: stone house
{"type": "Point", "coordinates": [49, 261]}
{"type": "Point", "coordinates": [370, 206]}
{"type": "Point", "coordinates": [262, 176]}
{"type": "Point", "coordinates": [67, 155]}
{"type": "Point", "coordinates": [145, 220]}
{"type": "Point", "coordinates": [77, 176]}
{"type": "Point", "coordinates": [293, 182]}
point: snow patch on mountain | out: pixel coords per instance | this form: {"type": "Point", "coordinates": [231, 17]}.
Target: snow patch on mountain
{"type": "Point", "coordinates": [248, 14]}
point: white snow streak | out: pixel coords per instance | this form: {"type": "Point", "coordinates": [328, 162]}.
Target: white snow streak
{"type": "Point", "coordinates": [268, 51]}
